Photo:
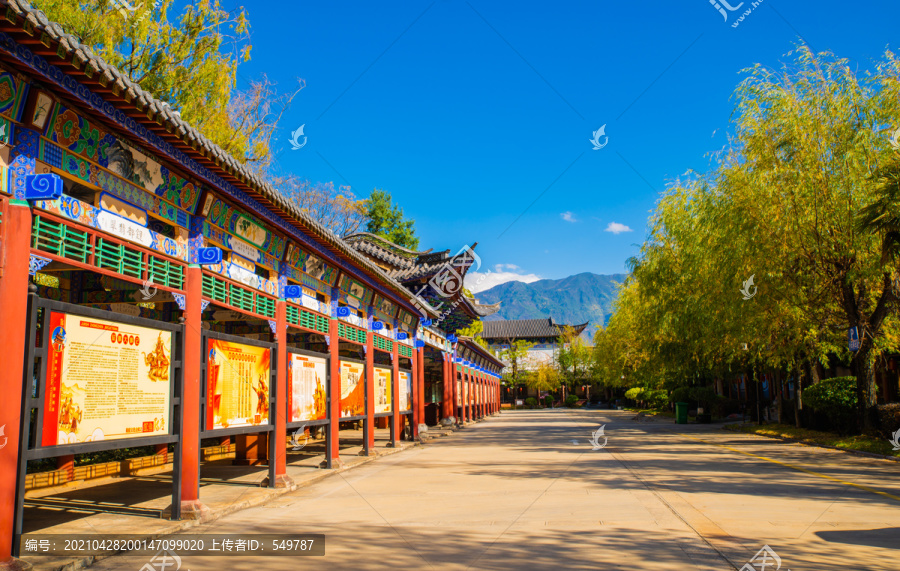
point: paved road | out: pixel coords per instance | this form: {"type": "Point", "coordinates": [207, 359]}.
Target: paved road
{"type": "Point", "coordinates": [524, 490]}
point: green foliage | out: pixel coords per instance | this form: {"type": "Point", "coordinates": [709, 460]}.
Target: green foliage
{"type": "Point", "coordinates": [889, 419]}
{"type": "Point", "coordinates": [548, 401]}
{"type": "Point", "coordinates": [571, 400]}
{"type": "Point", "coordinates": [386, 220]}
{"type": "Point", "coordinates": [189, 61]}
{"type": "Point", "coordinates": [634, 393]}
{"type": "Point", "coordinates": [531, 402]}
{"type": "Point", "coordinates": [835, 398]}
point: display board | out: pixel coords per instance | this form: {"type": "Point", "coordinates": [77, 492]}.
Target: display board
{"type": "Point", "coordinates": [237, 389]}
{"type": "Point", "coordinates": [105, 380]}
{"type": "Point", "coordinates": [353, 389]}
{"type": "Point", "coordinates": [383, 390]}
{"type": "Point", "coordinates": [458, 392]}
{"type": "Point", "coordinates": [404, 399]}
{"type": "Point", "coordinates": [307, 379]}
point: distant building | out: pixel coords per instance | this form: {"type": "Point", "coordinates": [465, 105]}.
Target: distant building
{"type": "Point", "coordinates": [544, 333]}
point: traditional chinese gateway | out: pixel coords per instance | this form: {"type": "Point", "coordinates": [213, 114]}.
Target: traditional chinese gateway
{"type": "Point", "coordinates": [161, 293]}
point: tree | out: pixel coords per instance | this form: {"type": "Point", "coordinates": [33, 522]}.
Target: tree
{"type": "Point", "coordinates": [338, 210]}
{"type": "Point", "coordinates": [545, 378]}
{"type": "Point", "coordinates": [385, 219]}
{"type": "Point", "coordinates": [573, 357]}
{"type": "Point", "coordinates": [189, 63]}
{"type": "Point", "coordinates": [514, 354]}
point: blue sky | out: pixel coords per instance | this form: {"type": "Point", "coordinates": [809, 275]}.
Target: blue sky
{"type": "Point", "coordinates": [476, 116]}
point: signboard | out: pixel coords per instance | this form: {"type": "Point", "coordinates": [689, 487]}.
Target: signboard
{"type": "Point", "coordinates": [353, 389]}
{"type": "Point", "coordinates": [237, 385]}
{"type": "Point", "coordinates": [105, 381]}
{"type": "Point", "coordinates": [382, 390]}
{"type": "Point", "coordinates": [853, 336]}
{"type": "Point", "coordinates": [458, 392]}
{"type": "Point", "coordinates": [404, 398]}
{"type": "Point", "coordinates": [306, 388]}
{"type": "Point", "coordinates": [519, 402]}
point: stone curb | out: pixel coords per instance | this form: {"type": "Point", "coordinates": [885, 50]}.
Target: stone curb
{"type": "Point", "coordinates": [815, 445]}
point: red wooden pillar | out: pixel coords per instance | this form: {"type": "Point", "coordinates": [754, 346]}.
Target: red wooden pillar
{"type": "Point", "coordinates": [463, 394]}
{"type": "Point", "coordinates": [15, 237]}
{"type": "Point", "coordinates": [332, 454]}
{"type": "Point", "coordinates": [447, 396]}
{"type": "Point", "coordinates": [418, 407]}
{"type": "Point", "coordinates": [469, 387]}
{"type": "Point", "coordinates": [369, 444]}
{"type": "Point", "coordinates": [395, 406]}
{"type": "Point", "coordinates": [282, 480]}
{"type": "Point", "coordinates": [422, 386]}
{"type": "Point", "coordinates": [191, 507]}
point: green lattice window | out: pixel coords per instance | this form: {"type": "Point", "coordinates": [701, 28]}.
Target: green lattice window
{"type": "Point", "coordinates": [215, 289]}
{"type": "Point", "coordinates": [164, 272]}
{"type": "Point", "coordinates": [406, 351]}
{"type": "Point", "coordinates": [382, 343]}
{"type": "Point", "coordinates": [118, 258]}
{"type": "Point", "coordinates": [351, 333]}
{"type": "Point", "coordinates": [293, 315]}
{"type": "Point", "coordinates": [265, 306]}
{"type": "Point", "coordinates": [241, 298]}
{"type": "Point", "coordinates": [59, 239]}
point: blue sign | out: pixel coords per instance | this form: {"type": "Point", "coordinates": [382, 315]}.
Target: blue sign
{"type": "Point", "coordinates": [401, 335]}
{"type": "Point", "coordinates": [425, 322]}
{"type": "Point", "coordinates": [46, 186]}
{"type": "Point", "coordinates": [209, 256]}
{"type": "Point", "coordinates": [452, 338]}
{"type": "Point", "coordinates": [377, 325]}
{"type": "Point", "coordinates": [420, 343]}
{"type": "Point", "coordinates": [853, 336]}
{"type": "Point", "coordinates": [343, 311]}
{"type": "Point", "coordinates": [291, 291]}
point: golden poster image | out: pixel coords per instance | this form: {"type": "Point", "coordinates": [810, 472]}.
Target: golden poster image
{"type": "Point", "coordinates": [382, 390]}
{"type": "Point", "coordinates": [307, 388]}
{"type": "Point", "coordinates": [353, 388]}
{"type": "Point", "coordinates": [105, 380]}
{"type": "Point", "coordinates": [237, 392]}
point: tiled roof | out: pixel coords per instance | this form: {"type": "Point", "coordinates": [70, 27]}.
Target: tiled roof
{"type": "Point", "coordinates": [525, 328]}
{"type": "Point", "coordinates": [158, 113]}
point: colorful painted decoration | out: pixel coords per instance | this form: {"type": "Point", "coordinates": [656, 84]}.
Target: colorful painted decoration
{"type": "Point", "coordinates": [206, 256]}
{"type": "Point", "coordinates": [12, 95]}
{"type": "Point", "coordinates": [377, 326]}
{"type": "Point", "coordinates": [43, 186]}
{"type": "Point", "coordinates": [343, 311]}
{"type": "Point", "coordinates": [293, 291]}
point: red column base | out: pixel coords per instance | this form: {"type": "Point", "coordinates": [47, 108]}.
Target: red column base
{"type": "Point", "coordinates": [284, 481]}
{"type": "Point", "coordinates": [195, 510]}
{"type": "Point", "coordinates": [336, 464]}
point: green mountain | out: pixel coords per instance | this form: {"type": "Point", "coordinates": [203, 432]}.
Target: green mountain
{"type": "Point", "coordinates": [571, 301]}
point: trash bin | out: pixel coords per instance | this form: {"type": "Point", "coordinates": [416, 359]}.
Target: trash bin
{"type": "Point", "coordinates": [681, 412]}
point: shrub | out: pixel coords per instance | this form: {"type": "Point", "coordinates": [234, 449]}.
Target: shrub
{"type": "Point", "coordinates": [706, 396]}
{"type": "Point", "coordinates": [836, 399]}
{"type": "Point", "coordinates": [681, 394]}
{"type": "Point", "coordinates": [571, 400]}
{"type": "Point", "coordinates": [548, 401]}
{"type": "Point", "coordinates": [531, 402]}
{"type": "Point", "coordinates": [656, 399]}
{"type": "Point", "coordinates": [634, 394]}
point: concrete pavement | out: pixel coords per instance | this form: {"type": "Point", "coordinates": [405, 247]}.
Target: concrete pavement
{"type": "Point", "coordinates": [524, 490]}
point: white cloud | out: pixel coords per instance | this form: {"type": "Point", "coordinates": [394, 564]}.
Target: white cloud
{"type": "Point", "coordinates": [480, 281]}
{"type": "Point", "coordinates": [501, 267]}
{"type": "Point", "coordinates": [568, 217]}
{"type": "Point", "coordinates": [617, 228]}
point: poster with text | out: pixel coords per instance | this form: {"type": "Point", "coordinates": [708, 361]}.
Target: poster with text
{"type": "Point", "coordinates": [237, 385]}
{"type": "Point", "coordinates": [458, 392]}
{"type": "Point", "coordinates": [306, 387]}
{"type": "Point", "coordinates": [353, 389]}
{"type": "Point", "coordinates": [383, 390]}
{"type": "Point", "coordinates": [105, 380]}
{"type": "Point", "coordinates": [404, 399]}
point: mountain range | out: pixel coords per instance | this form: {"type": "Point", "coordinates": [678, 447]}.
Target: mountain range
{"type": "Point", "coordinates": [570, 301]}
